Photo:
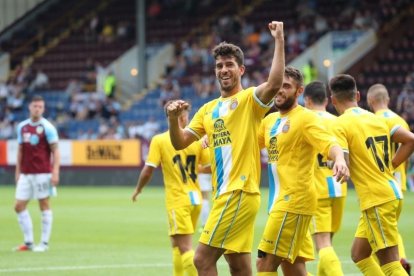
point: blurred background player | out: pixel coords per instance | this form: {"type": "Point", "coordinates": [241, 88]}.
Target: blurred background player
{"type": "Point", "coordinates": [331, 193]}
{"type": "Point", "coordinates": [365, 139]}
{"type": "Point", "coordinates": [35, 176]}
{"type": "Point", "coordinates": [182, 192]}
{"type": "Point", "coordinates": [231, 123]}
{"type": "Point", "coordinates": [204, 179]}
{"type": "Point", "coordinates": [293, 137]}
{"type": "Point", "coordinates": [378, 100]}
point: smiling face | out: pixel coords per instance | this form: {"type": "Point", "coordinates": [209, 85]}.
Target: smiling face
{"type": "Point", "coordinates": [228, 73]}
{"type": "Point", "coordinates": [286, 97]}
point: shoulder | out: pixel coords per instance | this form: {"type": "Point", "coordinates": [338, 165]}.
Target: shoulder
{"type": "Point", "coordinates": [47, 125]}
{"type": "Point", "coordinates": [23, 123]}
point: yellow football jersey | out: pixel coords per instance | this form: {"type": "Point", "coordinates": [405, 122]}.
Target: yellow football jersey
{"type": "Point", "coordinates": [326, 185]}
{"type": "Point", "coordinates": [393, 120]}
{"type": "Point", "coordinates": [231, 125]}
{"type": "Point", "coordinates": [292, 141]}
{"type": "Point", "coordinates": [367, 140]}
{"type": "Point", "coordinates": [179, 169]}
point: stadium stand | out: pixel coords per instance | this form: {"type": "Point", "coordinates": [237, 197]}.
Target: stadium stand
{"type": "Point", "coordinates": [73, 41]}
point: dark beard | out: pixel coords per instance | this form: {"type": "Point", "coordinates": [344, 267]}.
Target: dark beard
{"type": "Point", "coordinates": [227, 88]}
{"type": "Point", "coordinates": [286, 105]}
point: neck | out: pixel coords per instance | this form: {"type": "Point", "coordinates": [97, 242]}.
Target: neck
{"type": "Point", "coordinates": [234, 91]}
{"type": "Point", "coordinates": [318, 107]}
{"type": "Point", "coordinates": [288, 110]}
{"type": "Point", "coordinates": [35, 119]}
{"type": "Point", "coordinates": [345, 106]}
{"type": "Point", "coordinates": [379, 106]}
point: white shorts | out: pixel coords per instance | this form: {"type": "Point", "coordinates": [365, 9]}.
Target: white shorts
{"type": "Point", "coordinates": [204, 179]}
{"type": "Point", "coordinates": [34, 186]}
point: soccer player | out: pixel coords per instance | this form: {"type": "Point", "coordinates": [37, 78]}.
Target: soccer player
{"type": "Point", "coordinates": [331, 194]}
{"type": "Point", "coordinates": [182, 193]}
{"type": "Point", "coordinates": [231, 123]}
{"type": "Point", "coordinates": [35, 176]}
{"type": "Point", "coordinates": [293, 137]}
{"type": "Point", "coordinates": [204, 179]}
{"type": "Point", "coordinates": [367, 139]}
{"type": "Point", "coordinates": [378, 99]}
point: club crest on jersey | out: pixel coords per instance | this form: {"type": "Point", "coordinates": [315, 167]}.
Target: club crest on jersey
{"type": "Point", "coordinates": [233, 104]}
{"type": "Point", "coordinates": [286, 127]}
{"type": "Point", "coordinates": [39, 130]}
{"type": "Point", "coordinates": [219, 125]}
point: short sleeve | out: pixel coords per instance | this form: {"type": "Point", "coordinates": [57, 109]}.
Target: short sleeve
{"type": "Point", "coordinates": [51, 134]}
{"type": "Point", "coordinates": [154, 154]}
{"type": "Point", "coordinates": [196, 125]}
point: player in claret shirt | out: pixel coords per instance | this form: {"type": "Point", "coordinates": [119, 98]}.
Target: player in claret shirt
{"type": "Point", "coordinates": [35, 175]}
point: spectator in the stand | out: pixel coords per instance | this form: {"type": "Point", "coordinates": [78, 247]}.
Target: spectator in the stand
{"type": "Point", "coordinates": [15, 101]}
{"type": "Point", "coordinates": [170, 90]}
{"type": "Point", "coordinates": [150, 128]}
{"type": "Point", "coordinates": [41, 81]}
{"type": "Point", "coordinates": [108, 33]}
{"type": "Point", "coordinates": [6, 130]}
{"type": "Point", "coordinates": [110, 85]}
{"type": "Point", "coordinates": [154, 9]}
{"type": "Point", "coordinates": [310, 72]}
{"type": "Point", "coordinates": [320, 25]}
{"type": "Point", "coordinates": [94, 28]}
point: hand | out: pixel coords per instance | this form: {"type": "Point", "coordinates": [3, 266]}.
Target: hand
{"type": "Point", "coordinates": [55, 179]}
{"type": "Point", "coordinates": [175, 108]}
{"type": "Point", "coordinates": [204, 142]}
{"type": "Point", "coordinates": [276, 29]}
{"type": "Point", "coordinates": [340, 171]}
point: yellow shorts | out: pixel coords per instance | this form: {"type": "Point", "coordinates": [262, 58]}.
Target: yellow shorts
{"type": "Point", "coordinates": [378, 224]}
{"type": "Point", "coordinates": [285, 234]}
{"type": "Point", "coordinates": [230, 224]}
{"type": "Point", "coordinates": [183, 220]}
{"type": "Point", "coordinates": [328, 215]}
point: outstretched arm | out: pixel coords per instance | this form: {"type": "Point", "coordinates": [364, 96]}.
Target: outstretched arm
{"type": "Point", "coordinates": [340, 169]}
{"type": "Point", "coordinates": [180, 138]}
{"type": "Point", "coordinates": [266, 91]}
{"type": "Point", "coordinates": [143, 179]}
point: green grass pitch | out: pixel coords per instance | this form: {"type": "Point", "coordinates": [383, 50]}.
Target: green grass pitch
{"type": "Point", "coordinates": [99, 231]}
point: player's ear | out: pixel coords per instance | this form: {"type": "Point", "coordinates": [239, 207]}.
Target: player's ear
{"type": "Point", "coordinates": [358, 96]}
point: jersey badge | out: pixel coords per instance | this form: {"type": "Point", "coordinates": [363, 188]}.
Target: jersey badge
{"type": "Point", "coordinates": [39, 130]}
{"type": "Point", "coordinates": [234, 103]}
{"type": "Point", "coordinates": [286, 127]}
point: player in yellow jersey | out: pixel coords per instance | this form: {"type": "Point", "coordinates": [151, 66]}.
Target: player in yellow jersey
{"type": "Point", "coordinates": [378, 100]}
{"type": "Point", "coordinates": [182, 192]}
{"type": "Point", "coordinates": [331, 194]}
{"type": "Point", "coordinates": [231, 123]}
{"type": "Point", "coordinates": [367, 139]}
{"type": "Point", "coordinates": [293, 136]}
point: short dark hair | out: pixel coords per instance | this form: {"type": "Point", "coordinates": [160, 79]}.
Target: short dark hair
{"type": "Point", "coordinates": [316, 91]}
{"type": "Point", "coordinates": [295, 74]}
{"type": "Point", "coordinates": [229, 50]}
{"type": "Point", "coordinates": [343, 87]}
{"type": "Point", "coordinates": [37, 98]}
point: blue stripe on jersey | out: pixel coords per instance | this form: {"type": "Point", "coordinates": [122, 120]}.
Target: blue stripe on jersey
{"type": "Point", "coordinates": [396, 190]}
{"type": "Point", "coordinates": [274, 127]}
{"type": "Point", "coordinates": [216, 111]}
{"type": "Point", "coordinates": [331, 186]}
{"type": "Point", "coordinates": [192, 199]}
{"type": "Point", "coordinates": [271, 187]}
{"type": "Point", "coordinates": [220, 170]}
{"type": "Point", "coordinates": [217, 153]}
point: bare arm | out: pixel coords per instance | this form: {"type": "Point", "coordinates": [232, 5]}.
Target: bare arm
{"type": "Point", "coordinates": [143, 179]}
{"type": "Point", "coordinates": [18, 162]}
{"type": "Point", "coordinates": [340, 169]}
{"type": "Point", "coordinates": [406, 148]}
{"type": "Point", "coordinates": [180, 138]}
{"type": "Point", "coordinates": [56, 164]}
{"type": "Point", "coordinates": [266, 91]}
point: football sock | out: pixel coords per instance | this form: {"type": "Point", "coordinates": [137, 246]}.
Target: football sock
{"type": "Point", "coordinates": [188, 263]}
{"type": "Point", "coordinates": [369, 267]}
{"type": "Point", "coordinates": [205, 210]}
{"type": "Point", "coordinates": [329, 263]}
{"type": "Point", "coordinates": [267, 273]}
{"type": "Point", "coordinates": [26, 225]}
{"type": "Point", "coordinates": [393, 268]}
{"type": "Point", "coordinates": [177, 262]}
{"type": "Point", "coordinates": [47, 219]}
